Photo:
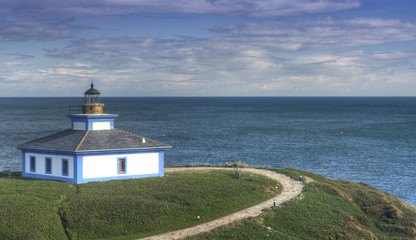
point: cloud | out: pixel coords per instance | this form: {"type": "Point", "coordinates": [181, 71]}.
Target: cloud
{"type": "Point", "coordinates": [251, 45]}
{"type": "Point", "coordinates": [352, 73]}
{"type": "Point", "coordinates": [259, 8]}
{"type": "Point", "coordinates": [24, 29]}
{"type": "Point", "coordinates": [147, 66]}
{"type": "Point", "coordinates": [194, 72]}
{"type": "Point", "coordinates": [114, 51]}
{"type": "Point", "coordinates": [355, 63]}
{"type": "Point", "coordinates": [20, 56]}
{"type": "Point", "coordinates": [321, 33]}
{"type": "Point", "coordinates": [17, 73]}
{"type": "Point", "coordinates": [77, 70]}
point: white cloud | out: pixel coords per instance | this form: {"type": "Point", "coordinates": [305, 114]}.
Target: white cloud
{"type": "Point", "coordinates": [68, 71]}
{"type": "Point", "coordinates": [244, 72]}
{"type": "Point", "coordinates": [255, 72]}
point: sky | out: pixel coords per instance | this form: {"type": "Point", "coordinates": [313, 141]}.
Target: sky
{"type": "Point", "coordinates": [208, 47]}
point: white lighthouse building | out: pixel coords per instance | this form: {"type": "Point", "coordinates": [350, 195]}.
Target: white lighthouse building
{"type": "Point", "coordinates": [92, 150]}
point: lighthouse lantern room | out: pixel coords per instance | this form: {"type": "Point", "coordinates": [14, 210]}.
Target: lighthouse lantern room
{"type": "Point", "coordinates": [92, 103]}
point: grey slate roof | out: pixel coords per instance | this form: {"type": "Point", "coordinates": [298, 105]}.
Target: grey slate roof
{"type": "Point", "coordinates": [67, 140]}
{"type": "Point", "coordinates": [99, 140]}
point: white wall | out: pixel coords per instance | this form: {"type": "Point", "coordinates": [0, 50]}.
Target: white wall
{"type": "Point", "coordinates": [107, 165]}
{"type": "Point", "coordinates": [101, 126]}
{"type": "Point", "coordinates": [56, 164]}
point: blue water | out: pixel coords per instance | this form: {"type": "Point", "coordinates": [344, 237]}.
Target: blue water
{"type": "Point", "coordinates": [369, 139]}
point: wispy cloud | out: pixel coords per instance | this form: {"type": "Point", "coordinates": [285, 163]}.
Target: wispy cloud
{"type": "Point", "coordinates": [20, 56]}
{"type": "Point", "coordinates": [244, 72]}
{"type": "Point", "coordinates": [195, 68]}
{"type": "Point", "coordinates": [73, 70]}
{"type": "Point", "coordinates": [24, 29]}
{"type": "Point", "coordinates": [224, 7]}
{"type": "Point", "coordinates": [321, 33]}
{"type": "Point", "coordinates": [254, 43]}
{"type": "Point", "coordinates": [115, 51]}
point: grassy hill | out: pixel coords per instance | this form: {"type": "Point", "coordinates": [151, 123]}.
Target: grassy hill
{"type": "Point", "coordinates": [129, 209]}
{"type": "Point", "coordinates": [124, 209]}
{"type": "Point", "coordinates": [328, 209]}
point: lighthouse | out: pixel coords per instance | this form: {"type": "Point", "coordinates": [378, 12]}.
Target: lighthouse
{"type": "Point", "coordinates": [92, 149]}
{"type": "Point", "coordinates": [92, 116]}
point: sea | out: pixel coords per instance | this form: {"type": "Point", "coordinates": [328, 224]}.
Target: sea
{"type": "Point", "coordinates": [361, 139]}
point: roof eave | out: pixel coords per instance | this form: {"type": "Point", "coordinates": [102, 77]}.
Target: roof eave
{"type": "Point", "coordinates": [126, 149]}
{"type": "Point", "coordinates": [47, 149]}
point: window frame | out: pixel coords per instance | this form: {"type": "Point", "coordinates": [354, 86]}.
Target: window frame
{"type": "Point", "coordinates": [119, 159]}
{"type": "Point", "coordinates": [65, 161]}
{"type": "Point", "coordinates": [48, 159]}
{"type": "Point", "coordinates": [32, 163]}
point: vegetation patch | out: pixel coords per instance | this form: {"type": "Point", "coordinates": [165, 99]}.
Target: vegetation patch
{"type": "Point", "coordinates": [130, 209]}
{"type": "Point", "coordinates": [125, 209]}
{"type": "Point", "coordinates": [29, 208]}
{"type": "Point", "coordinates": [328, 209]}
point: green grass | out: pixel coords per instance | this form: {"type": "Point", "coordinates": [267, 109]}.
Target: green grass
{"type": "Point", "coordinates": [124, 209]}
{"type": "Point", "coordinates": [29, 208]}
{"type": "Point", "coordinates": [130, 209]}
{"type": "Point", "coordinates": [328, 209]}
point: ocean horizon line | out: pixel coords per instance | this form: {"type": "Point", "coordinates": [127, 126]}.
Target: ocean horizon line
{"type": "Point", "coordinates": [214, 97]}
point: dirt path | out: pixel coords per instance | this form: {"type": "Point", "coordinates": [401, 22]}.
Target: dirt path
{"type": "Point", "coordinates": [291, 189]}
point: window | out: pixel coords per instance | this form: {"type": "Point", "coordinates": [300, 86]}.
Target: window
{"type": "Point", "coordinates": [48, 165]}
{"type": "Point", "coordinates": [122, 166]}
{"type": "Point", "coordinates": [65, 167]}
{"type": "Point", "coordinates": [32, 164]}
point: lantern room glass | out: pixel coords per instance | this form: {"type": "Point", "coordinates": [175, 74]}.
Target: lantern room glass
{"type": "Point", "coordinates": [92, 98]}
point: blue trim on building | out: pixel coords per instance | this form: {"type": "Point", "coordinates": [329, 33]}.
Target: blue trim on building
{"type": "Point", "coordinates": [48, 152]}
{"type": "Point", "coordinates": [125, 165]}
{"type": "Point", "coordinates": [89, 119]}
{"type": "Point", "coordinates": [78, 168]}
{"type": "Point", "coordinates": [127, 151]}
{"type": "Point", "coordinates": [65, 166]}
{"type": "Point", "coordinates": [103, 152]}
{"type": "Point", "coordinates": [50, 177]}
{"type": "Point", "coordinates": [119, 177]}
{"type": "Point", "coordinates": [48, 165]}
{"type": "Point", "coordinates": [23, 161]}
{"type": "Point", "coordinates": [75, 167]}
{"type": "Point", "coordinates": [93, 116]}
{"type": "Point", "coordinates": [161, 163]}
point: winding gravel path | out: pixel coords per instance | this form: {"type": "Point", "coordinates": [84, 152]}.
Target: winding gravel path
{"type": "Point", "coordinates": [291, 189]}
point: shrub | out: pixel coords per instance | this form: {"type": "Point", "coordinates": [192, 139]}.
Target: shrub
{"type": "Point", "coordinates": [238, 164]}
